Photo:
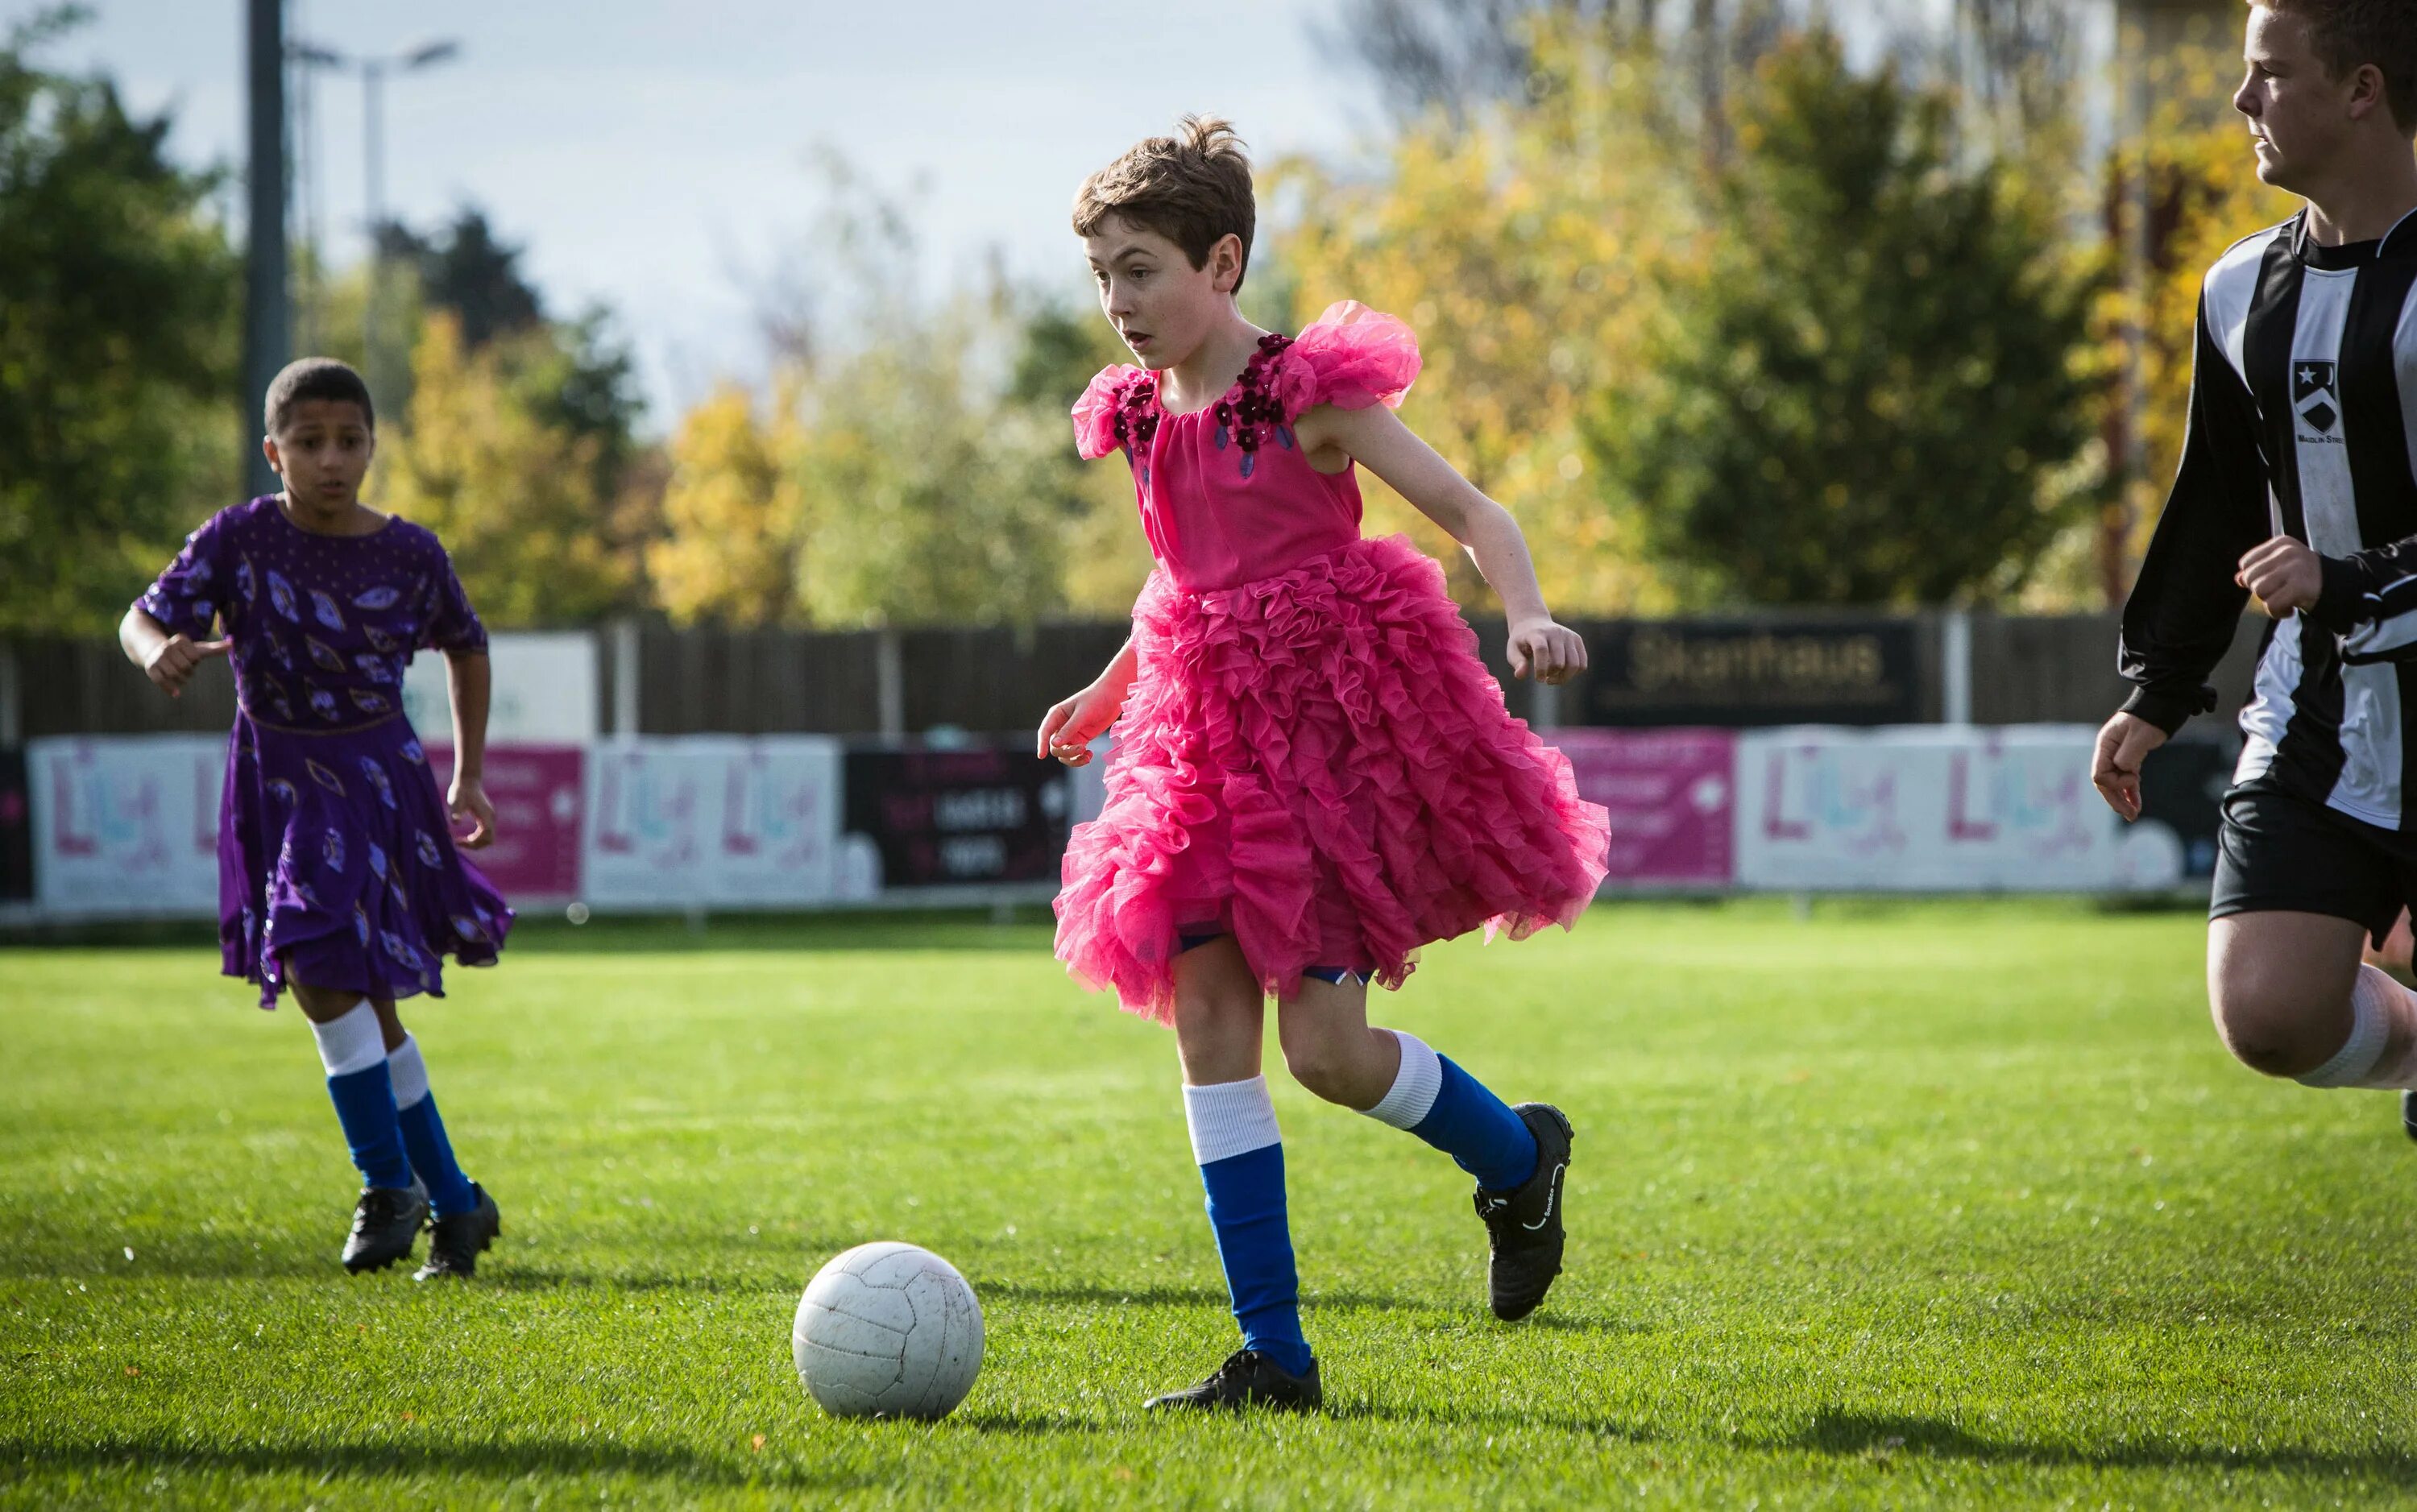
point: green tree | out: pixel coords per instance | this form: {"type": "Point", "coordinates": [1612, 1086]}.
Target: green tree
{"type": "Point", "coordinates": [1863, 392]}
{"type": "Point", "coordinates": [514, 494]}
{"type": "Point", "coordinates": [730, 546]}
{"type": "Point", "coordinates": [117, 297]}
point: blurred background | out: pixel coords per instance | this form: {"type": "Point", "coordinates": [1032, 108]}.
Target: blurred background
{"type": "Point", "coordinates": [1833, 356]}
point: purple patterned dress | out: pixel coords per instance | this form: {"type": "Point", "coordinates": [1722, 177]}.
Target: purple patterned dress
{"type": "Point", "coordinates": [336, 866]}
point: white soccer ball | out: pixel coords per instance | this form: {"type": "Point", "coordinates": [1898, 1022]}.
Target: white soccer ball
{"type": "Point", "coordinates": [887, 1330]}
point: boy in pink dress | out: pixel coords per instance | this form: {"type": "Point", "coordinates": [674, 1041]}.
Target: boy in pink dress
{"type": "Point", "coordinates": [1314, 774]}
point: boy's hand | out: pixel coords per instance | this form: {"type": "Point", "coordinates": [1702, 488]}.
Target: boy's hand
{"type": "Point", "coordinates": [177, 658]}
{"type": "Point", "coordinates": [2115, 768]}
{"type": "Point", "coordinates": [467, 804]}
{"type": "Point", "coordinates": [1550, 652]}
{"type": "Point", "coordinates": [2283, 575]}
{"type": "Point", "coordinates": [1071, 726]}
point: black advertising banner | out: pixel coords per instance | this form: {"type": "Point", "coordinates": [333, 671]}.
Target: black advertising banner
{"type": "Point", "coordinates": [1751, 672]}
{"type": "Point", "coordinates": [2182, 785]}
{"type": "Point", "coordinates": [16, 831]}
{"type": "Point", "coordinates": [951, 817]}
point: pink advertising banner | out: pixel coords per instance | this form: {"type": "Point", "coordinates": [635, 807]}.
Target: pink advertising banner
{"type": "Point", "coordinates": [1673, 799]}
{"type": "Point", "coordinates": [537, 794]}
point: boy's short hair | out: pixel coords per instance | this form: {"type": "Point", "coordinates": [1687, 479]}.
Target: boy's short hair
{"type": "Point", "coordinates": [2349, 34]}
{"type": "Point", "coordinates": [309, 378]}
{"type": "Point", "coordinates": [1192, 189]}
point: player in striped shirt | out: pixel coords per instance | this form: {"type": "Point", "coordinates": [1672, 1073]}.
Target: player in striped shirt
{"type": "Point", "coordinates": [2298, 486]}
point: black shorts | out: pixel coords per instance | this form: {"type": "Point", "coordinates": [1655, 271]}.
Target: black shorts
{"type": "Point", "coordinates": [2279, 851]}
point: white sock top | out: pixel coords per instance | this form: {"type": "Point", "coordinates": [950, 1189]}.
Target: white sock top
{"type": "Point", "coordinates": [351, 1041]}
{"type": "Point", "coordinates": [2372, 999]}
{"type": "Point", "coordinates": [1230, 1118]}
{"type": "Point", "coordinates": [1415, 1085]}
{"type": "Point", "coordinates": [409, 1071]}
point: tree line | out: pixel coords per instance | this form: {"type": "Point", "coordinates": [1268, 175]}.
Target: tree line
{"type": "Point", "coordinates": [1725, 315]}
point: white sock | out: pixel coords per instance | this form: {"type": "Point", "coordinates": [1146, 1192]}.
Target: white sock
{"type": "Point", "coordinates": [409, 1071]}
{"type": "Point", "coordinates": [1415, 1085]}
{"type": "Point", "coordinates": [2381, 1050]}
{"type": "Point", "coordinates": [350, 1042]}
{"type": "Point", "coordinates": [1230, 1118]}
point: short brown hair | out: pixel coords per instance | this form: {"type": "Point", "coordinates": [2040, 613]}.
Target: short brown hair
{"type": "Point", "coordinates": [314, 378]}
{"type": "Point", "coordinates": [1192, 189]}
{"type": "Point", "coordinates": [2351, 33]}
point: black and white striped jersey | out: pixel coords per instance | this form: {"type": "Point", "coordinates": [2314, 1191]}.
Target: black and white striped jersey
{"type": "Point", "coordinates": [2302, 422]}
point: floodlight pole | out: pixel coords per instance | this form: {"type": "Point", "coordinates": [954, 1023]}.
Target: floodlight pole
{"type": "Point", "coordinates": [373, 76]}
{"type": "Point", "coordinates": [267, 337]}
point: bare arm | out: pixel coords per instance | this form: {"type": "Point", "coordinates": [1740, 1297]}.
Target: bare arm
{"type": "Point", "coordinates": [1071, 726]}
{"type": "Point", "coordinates": [1378, 441]}
{"type": "Point", "coordinates": [168, 659]}
{"type": "Point", "coordinates": [467, 679]}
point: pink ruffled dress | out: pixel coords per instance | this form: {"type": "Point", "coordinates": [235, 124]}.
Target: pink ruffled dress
{"type": "Point", "coordinates": [1313, 758]}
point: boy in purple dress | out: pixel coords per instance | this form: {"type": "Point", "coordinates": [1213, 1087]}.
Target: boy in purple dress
{"type": "Point", "coordinates": [339, 876]}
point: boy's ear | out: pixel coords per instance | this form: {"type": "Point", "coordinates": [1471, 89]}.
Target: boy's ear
{"type": "Point", "coordinates": [269, 449]}
{"type": "Point", "coordinates": [1226, 263]}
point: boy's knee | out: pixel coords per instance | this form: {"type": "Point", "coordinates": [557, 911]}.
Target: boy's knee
{"type": "Point", "coordinates": [1320, 1065]}
{"type": "Point", "coordinates": [2273, 1029]}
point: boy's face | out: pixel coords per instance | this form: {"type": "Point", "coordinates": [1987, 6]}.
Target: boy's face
{"type": "Point", "coordinates": [1162, 305]}
{"type": "Point", "coordinates": [2299, 117]}
{"type": "Point", "coordinates": [324, 452]}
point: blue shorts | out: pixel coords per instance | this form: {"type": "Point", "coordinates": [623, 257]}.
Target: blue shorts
{"type": "Point", "coordinates": [1200, 934]}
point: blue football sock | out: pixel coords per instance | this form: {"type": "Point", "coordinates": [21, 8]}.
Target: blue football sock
{"type": "Point", "coordinates": [354, 1051]}
{"type": "Point", "coordinates": [1241, 1164]}
{"type": "Point", "coordinates": [1450, 1110]}
{"type": "Point", "coordinates": [423, 1133]}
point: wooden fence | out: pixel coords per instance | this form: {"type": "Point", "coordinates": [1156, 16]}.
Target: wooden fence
{"type": "Point", "coordinates": [2023, 670]}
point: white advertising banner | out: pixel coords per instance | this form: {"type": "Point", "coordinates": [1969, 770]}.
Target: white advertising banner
{"type": "Point", "coordinates": [126, 827]}
{"type": "Point", "coordinates": [1936, 809]}
{"type": "Point", "coordinates": [713, 821]}
{"type": "Point", "coordinates": [544, 690]}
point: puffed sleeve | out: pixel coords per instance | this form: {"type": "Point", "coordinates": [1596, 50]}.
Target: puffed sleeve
{"type": "Point", "coordinates": [187, 595]}
{"type": "Point", "coordinates": [1095, 412]}
{"type": "Point", "coordinates": [1352, 357]}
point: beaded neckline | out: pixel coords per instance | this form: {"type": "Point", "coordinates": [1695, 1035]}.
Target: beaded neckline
{"type": "Point", "coordinates": [1245, 415]}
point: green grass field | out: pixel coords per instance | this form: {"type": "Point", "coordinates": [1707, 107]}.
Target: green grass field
{"type": "Point", "coordinates": [1940, 1204]}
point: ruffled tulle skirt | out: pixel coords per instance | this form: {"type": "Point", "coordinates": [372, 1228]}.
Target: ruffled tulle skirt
{"type": "Point", "coordinates": [1318, 764]}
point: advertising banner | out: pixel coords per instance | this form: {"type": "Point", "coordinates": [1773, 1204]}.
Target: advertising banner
{"type": "Point", "coordinates": [1672, 794]}
{"type": "Point", "coordinates": [538, 792]}
{"type": "Point", "coordinates": [126, 827]}
{"type": "Point", "coordinates": [1749, 673]}
{"type": "Point", "coordinates": [543, 693]}
{"type": "Point", "coordinates": [932, 818]}
{"type": "Point", "coordinates": [1937, 810]}
{"type": "Point", "coordinates": [713, 821]}
{"type": "Point", "coordinates": [16, 830]}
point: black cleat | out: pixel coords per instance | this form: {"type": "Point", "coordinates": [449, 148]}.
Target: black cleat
{"type": "Point", "coordinates": [386, 1222]}
{"type": "Point", "coordinates": [1523, 1226]}
{"type": "Point", "coordinates": [455, 1244]}
{"type": "Point", "coordinates": [2409, 1114]}
{"type": "Point", "coordinates": [1247, 1379]}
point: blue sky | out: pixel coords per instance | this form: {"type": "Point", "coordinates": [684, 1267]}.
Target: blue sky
{"type": "Point", "coordinates": [652, 156]}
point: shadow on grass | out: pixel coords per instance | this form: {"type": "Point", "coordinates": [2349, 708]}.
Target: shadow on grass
{"type": "Point", "coordinates": [1880, 1437]}
{"type": "Point", "coordinates": [486, 1461]}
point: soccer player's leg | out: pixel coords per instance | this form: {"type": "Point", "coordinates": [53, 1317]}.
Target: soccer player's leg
{"type": "Point", "coordinates": [2299, 891]}
{"type": "Point", "coordinates": [353, 1050]}
{"type": "Point", "coordinates": [1219, 1020]}
{"type": "Point", "coordinates": [466, 1220]}
{"type": "Point", "coordinates": [1518, 1156]}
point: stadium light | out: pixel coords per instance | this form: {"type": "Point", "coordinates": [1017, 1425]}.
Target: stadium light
{"type": "Point", "coordinates": [374, 72]}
